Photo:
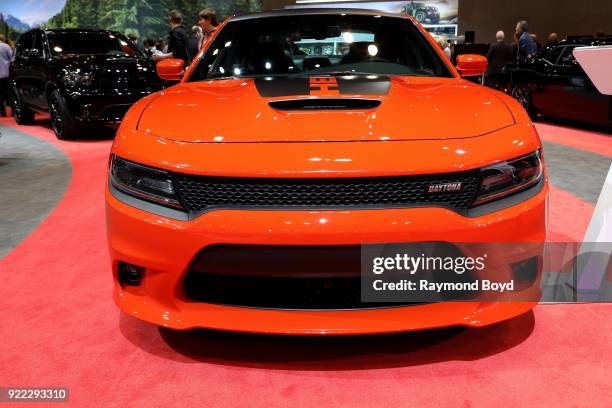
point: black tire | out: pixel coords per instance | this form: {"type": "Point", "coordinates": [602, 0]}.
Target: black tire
{"type": "Point", "coordinates": [522, 94]}
{"type": "Point", "coordinates": [22, 114]}
{"type": "Point", "coordinates": [64, 125]}
{"type": "Point", "coordinates": [420, 16]}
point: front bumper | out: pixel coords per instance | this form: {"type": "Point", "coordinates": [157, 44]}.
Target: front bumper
{"type": "Point", "coordinates": [165, 247]}
{"type": "Point", "coordinates": [106, 107]}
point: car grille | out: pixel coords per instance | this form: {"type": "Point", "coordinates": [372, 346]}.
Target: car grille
{"type": "Point", "coordinates": [201, 193]}
{"type": "Point", "coordinates": [296, 277]}
{"type": "Point", "coordinates": [114, 112]}
{"type": "Point", "coordinates": [279, 277]}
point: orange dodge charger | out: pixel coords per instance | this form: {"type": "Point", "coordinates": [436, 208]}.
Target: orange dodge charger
{"type": "Point", "coordinates": [239, 198]}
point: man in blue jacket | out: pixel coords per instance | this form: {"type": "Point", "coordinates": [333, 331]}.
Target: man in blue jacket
{"type": "Point", "coordinates": [527, 47]}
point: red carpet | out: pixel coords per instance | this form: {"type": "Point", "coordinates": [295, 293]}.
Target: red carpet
{"type": "Point", "coordinates": [60, 328]}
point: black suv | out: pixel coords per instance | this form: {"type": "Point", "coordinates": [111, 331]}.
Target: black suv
{"type": "Point", "coordinates": [82, 77]}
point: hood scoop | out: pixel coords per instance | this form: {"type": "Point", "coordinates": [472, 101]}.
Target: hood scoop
{"type": "Point", "coordinates": [310, 104]}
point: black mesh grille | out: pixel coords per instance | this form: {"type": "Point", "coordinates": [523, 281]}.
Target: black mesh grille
{"type": "Point", "coordinates": [279, 277]}
{"type": "Point", "coordinates": [114, 112]}
{"type": "Point", "coordinates": [200, 193]}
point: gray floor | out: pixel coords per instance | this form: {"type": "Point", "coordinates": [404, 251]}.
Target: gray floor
{"type": "Point", "coordinates": [580, 172]}
{"type": "Point", "coordinates": [33, 177]}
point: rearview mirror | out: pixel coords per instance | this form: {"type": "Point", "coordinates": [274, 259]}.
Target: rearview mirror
{"type": "Point", "coordinates": [171, 69]}
{"type": "Point", "coordinates": [471, 65]}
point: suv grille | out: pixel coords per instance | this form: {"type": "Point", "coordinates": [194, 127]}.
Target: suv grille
{"type": "Point", "coordinates": [201, 193]}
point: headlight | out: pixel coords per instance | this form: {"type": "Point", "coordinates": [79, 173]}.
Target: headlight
{"type": "Point", "coordinates": [143, 182]}
{"type": "Point", "coordinates": [77, 78]}
{"type": "Point", "coordinates": [509, 177]}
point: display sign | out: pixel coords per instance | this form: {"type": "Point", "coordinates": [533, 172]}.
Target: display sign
{"type": "Point", "coordinates": [438, 16]}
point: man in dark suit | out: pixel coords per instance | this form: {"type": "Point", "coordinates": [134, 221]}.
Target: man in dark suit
{"type": "Point", "coordinates": [499, 56]}
{"type": "Point", "coordinates": [177, 43]}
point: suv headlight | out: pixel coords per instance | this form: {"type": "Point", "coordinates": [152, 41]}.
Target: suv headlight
{"type": "Point", "coordinates": [143, 182]}
{"type": "Point", "coordinates": [509, 177]}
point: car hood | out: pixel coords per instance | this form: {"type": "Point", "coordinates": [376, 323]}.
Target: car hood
{"type": "Point", "coordinates": [345, 109]}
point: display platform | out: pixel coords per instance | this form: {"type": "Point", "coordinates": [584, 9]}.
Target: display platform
{"type": "Point", "coordinates": [60, 326]}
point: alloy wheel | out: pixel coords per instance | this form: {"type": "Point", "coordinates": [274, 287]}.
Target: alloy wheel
{"type": "Point", "coordinates": [521, 94]}
{"type": "Point", "coordinates": [16, 108]}
{"type": "Point", "coordinates": [56, 117]}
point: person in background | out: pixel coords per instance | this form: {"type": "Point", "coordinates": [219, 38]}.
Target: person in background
{"type": "Point", "coordinates": [527, 47]}
{"type": "Point", "coordinates": [443, 44]}
{"type": "Point", "coordinates": [538, 44]}
{"type": "Point", "coordinates": [194, 42]}
{"type": "Point", "coordinates": [161, 46]}
{"type": "Point", "coordinates": [499, 56]}
{"type": "Point", "coordinates": [207, 19]}
{"type": "Point", "coordinates": [177, 43]}
{"type": "Point", "coordinates": [6, 57]}
{"type": "Point", "coordinates": [514, 47]}
{"type": "Point", "coordinates": [134, 38]}
{"type": "Point", "coordinates": [151, 50]}
{"type": "Point", "coordinates": [553, 39]}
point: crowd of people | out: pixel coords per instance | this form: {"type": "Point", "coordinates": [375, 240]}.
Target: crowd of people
{"type": "Point", "coordinates": [522, 49]}
{"type": "Point", "coordinates": [182, 44]}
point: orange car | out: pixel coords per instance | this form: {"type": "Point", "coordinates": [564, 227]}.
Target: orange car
{"type": "Point", "coordinates": [293, 138]}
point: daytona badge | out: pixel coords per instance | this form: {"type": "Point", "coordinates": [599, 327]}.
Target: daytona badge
{"type": "Point", "coordinates": [444, 188]}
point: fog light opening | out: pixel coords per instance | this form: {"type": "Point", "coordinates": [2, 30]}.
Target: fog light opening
{"type": "Point", "coordinates": [130, 275]}
{"type": "Point", "coordinates": [525, 272]}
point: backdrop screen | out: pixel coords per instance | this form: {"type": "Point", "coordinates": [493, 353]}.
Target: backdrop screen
{"type": "Point", "coordinates": [438, 16]}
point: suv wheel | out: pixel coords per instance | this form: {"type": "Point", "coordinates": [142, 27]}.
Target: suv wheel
{"type": "Point", "coordinates": [420, 16]}
{"type": "Point", "coordinates": [22, 114]}
{"type": "Point", "coordinates": [522, 94]}
{"type": "Point", "coordinates": [63, 124]}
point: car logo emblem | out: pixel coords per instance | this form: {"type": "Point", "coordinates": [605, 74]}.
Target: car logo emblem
{"type": "Point", "coordinates": [444, 188]}
{"type": "Point", "coordinates": [324, 86]}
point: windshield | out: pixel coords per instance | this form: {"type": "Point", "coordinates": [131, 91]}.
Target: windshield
{"type": "Point", "coordinates": [90, 43]}
{"type": "Point", "coordinates": [319, 44]}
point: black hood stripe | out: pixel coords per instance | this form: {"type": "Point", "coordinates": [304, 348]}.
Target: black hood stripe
{"type": "Point", "coordinates": [305, 86]}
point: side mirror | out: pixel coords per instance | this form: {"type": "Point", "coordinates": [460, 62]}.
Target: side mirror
{"type": "Point", "coordinates": [171, 69]}
{"type": "Point", "coordinates": [471, 65]}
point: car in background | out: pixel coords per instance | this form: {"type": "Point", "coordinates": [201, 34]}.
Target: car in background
{"type": "Point", "coordinates": [254, 220]}
{"type": "Point", "coordinates": [422, 13]}
{"type": "Point", "coordinates": [554, 85]}
{"type": "Point", "coordinates": [81, 77]}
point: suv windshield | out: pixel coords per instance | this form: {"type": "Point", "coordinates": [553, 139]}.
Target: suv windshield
{"type": "Point", "coordinates": [92, 43]}
{"type": "Point", "coordinates": [319, 44]}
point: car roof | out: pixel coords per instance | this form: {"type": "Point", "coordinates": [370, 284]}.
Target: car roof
{"type": "Point", "coordinates": [78, 30]}
{"type": "Point", "coordinates": [316, 11]}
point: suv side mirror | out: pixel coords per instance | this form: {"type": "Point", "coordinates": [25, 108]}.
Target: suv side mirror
{"type": "Point", "coordinates": [472, 65]}
{"type": "Point", "coordinates": [171, 69]}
